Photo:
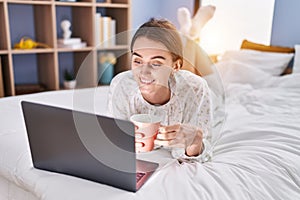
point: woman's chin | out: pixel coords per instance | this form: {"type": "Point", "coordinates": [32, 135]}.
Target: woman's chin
{"type": "Point", "coordinates": [147, 88]}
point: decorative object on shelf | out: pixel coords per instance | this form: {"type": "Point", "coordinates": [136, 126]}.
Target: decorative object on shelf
{"type": "Point", "coordinates": [66, 25]}
{"type": "Point", "coordinates": [28, 43]}
{"type": "Point", "coordinates": [107, 60]}
{"type": "Point", "coordinates": [69, 80]}
{"type": "Point", "coordinates": [67, 41]}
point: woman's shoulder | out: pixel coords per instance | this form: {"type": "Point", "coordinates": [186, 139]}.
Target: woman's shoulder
{"type": "Point", "coordinates": [123, 85]}
{"type": "Point", "coordinates": [187, 77]}
{"type": "Point", "coordinates": [189, 83]}
{"type": "Point", "coordinates": [123, 78]}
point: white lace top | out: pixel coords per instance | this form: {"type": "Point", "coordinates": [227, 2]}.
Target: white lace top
{"type": "Point", "coordinates": [190, 103]}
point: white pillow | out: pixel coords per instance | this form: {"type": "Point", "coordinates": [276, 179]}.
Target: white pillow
{"type": "Point", "coordinates": [296, 66]}
{"type": "Point", "coordinates": [269, 62]}
{"type": "Point", "coordinates": [232, 71]}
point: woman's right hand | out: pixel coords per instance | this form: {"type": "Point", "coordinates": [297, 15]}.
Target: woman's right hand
{"type": "Point", "coordinates": [181, 136]}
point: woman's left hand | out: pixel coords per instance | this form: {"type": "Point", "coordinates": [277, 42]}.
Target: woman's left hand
{"type": "Point", "coordinates": [182, 136]}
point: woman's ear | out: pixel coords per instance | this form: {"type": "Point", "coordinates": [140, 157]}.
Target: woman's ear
{"type": "Point", "coordinates": [177, 65]}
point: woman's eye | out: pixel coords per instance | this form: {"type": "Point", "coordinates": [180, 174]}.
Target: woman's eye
{"type": "Point", "coordinates": [138, 62]}
{"type": "Point", "coordinates": [155, 65]}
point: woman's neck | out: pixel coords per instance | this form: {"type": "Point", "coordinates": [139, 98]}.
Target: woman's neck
{"type": "Point", "coordinates": [161, 97]}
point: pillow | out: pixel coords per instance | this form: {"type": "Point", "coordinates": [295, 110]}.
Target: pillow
{"type": "Point", "coordinates": [260, 47]}
{"type": "Point", "coordinates": [246, 44]}
{"type": "Point", "coordinates": [269, 62]}
{"type": "Point", "coordinates": [296, 66]}
{"type": "Point", "coordinates": [232, 71]}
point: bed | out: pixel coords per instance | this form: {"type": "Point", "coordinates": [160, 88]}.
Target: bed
{"type": "Point", "coordinates": [257, 156]}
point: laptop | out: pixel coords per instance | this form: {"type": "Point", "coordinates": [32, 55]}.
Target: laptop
{"type": "Point", "coordinates": [85, 145]}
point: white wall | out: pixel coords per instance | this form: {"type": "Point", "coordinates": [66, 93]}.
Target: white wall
{"type": "Point", "coordinates": [235, 20]}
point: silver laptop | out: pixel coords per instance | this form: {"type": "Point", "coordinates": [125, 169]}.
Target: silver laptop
{"type": "Point", "coordinates": [85, 145]}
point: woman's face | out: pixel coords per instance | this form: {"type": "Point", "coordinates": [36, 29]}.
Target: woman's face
{"type": "Point", "coordinates": [152, 66]}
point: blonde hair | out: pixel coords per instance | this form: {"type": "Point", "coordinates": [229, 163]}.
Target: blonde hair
{"type": "Point", "coordinates": [163, 31]}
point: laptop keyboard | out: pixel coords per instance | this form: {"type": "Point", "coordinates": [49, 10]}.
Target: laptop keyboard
{"type": "Point", "coordinates": [139, 176]}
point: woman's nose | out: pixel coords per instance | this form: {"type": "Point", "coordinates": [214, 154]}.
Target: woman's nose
{"type": "Point", "coordinates": [146, 69]}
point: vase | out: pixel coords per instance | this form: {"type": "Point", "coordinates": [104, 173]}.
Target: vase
{"type": "Point", "coordinates": [105, 73]}
{"type": "Point", "coordinates": [70, 84]}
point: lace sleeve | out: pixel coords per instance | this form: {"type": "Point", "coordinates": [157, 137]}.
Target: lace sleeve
{"type": "Point", "coordinates": [118, 106]}
{"type": "Point", "coordinates": [198, 113]}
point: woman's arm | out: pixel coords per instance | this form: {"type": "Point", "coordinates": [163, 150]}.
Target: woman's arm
{"type": "Point", "coordinates": [190, 138]}
{"type": "Point", "coordinates": [118, 103]}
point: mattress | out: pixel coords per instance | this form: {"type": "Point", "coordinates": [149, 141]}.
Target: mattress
{"type": "Point", "coordinates": [256, 157]}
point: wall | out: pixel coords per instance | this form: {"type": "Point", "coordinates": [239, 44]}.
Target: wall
{"type": "Point", "coordinates": [143, 10]}
{"type": "Point", "coordinates": [236, 20]}
{"type": "Point", "coordinates": [169, 9]}
{"type": "Point", "coordinates": [286, 29]}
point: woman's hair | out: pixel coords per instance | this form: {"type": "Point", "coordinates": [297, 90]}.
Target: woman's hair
{"type": "Point", "coordinates": [162, 31]}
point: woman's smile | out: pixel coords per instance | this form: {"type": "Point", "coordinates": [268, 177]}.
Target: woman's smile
{"type": "Point", "coordinates": [146, 81]}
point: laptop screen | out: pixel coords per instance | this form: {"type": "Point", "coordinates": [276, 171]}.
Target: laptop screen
{"type": "Point", "coordinates": [85, 145]}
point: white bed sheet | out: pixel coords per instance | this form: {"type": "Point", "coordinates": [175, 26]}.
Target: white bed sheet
{"type": "Point", "coordinates": [9, 190]}
{"type": "Point", "coordinates": [257, 157]}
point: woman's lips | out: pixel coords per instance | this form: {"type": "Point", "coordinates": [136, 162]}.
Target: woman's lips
{"type": "Point", "coordinates": [146, 81]}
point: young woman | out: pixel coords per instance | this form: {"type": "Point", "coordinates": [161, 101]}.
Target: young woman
{"type": "Point", "coordinates": [156, 85]}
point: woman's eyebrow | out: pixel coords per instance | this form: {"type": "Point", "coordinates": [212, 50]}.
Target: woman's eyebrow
{"type": "Point", "coordinates": [154, 57]}
{"type": "Point", "coordinates": [136, 54]}
{"type": "Point", "coordinates": [158, 57]}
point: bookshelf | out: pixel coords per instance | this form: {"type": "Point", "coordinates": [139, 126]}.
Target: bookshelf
{"type": "Point", "coordinates": [41, 22]}
{"type": "Point", "coordinates": [1, 82]}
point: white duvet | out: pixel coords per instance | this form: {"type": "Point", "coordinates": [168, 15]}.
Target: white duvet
{"type": "Point", "coordinates": [257, 157]}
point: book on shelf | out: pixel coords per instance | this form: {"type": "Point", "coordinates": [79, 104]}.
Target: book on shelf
{"type": "Point", "coordinates": [97, 29]}
{"type": "Point", "coordinates": [113, 32]}
{"type": "Point", "coordinates": [105, 31]}
{"type": "Point", "coordinates": [72, 46]}
{"type": "Point", "coordinates": [72, 43]}
{"type": "Point", "coordinates": [74, 40]}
